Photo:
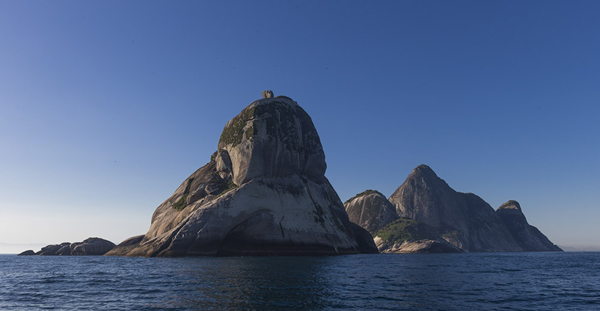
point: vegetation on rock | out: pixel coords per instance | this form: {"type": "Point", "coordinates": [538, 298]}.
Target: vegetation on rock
{"type": "Point", "coordinates": [234, 131]}
{"type": "Point", "coordinates": [405, 229]}
{"type": "Point", "coordinates": [182, 202]}
{"type": "Point", "coordinates": [368, 191]}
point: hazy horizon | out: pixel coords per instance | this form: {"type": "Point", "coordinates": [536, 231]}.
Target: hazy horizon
{"type": "Point", "coordinates": [107, 107]}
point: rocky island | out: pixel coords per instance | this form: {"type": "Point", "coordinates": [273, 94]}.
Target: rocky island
{"type": "Point", "coordinates": [89, 247]}
{"type": "Point", "coordinates": [263, 192]}
{"type": "Point", "coordinates": [426, 215]}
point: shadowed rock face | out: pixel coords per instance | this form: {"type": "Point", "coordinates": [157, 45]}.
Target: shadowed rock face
{"type": "Point", "coordinates": [528, 236]}
{"type": "Point", "coordinates": [263, 192]}
{"type": "Point", "coordinates": [370, 210]}
{"type": "Point", "coordinates": [464, 220]}
{"type": "Point", "coordinates": [90, 246]}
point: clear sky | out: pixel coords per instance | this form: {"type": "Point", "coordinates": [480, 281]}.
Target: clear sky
{"type": "Point", "coordinates": [107, 106]}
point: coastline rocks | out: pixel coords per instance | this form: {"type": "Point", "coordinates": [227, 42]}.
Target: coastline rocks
{"type": "Point", "coordinates": [463, 219]}
{"type": "Point", "coordinates": [410, 236]}
{"type": "Point", "coordinates": [27, 253]}
{"type": "Point", "coordinates": [126, 246]}
{"type": "Point", "coordinates": [420, 246]}
{"type": "Point", "coordinates": [90, 246]}
{"type": "Point", "coordinates": [370, 210]}
{"type": "Point", "coordinates": [364, 239]}
{"type": "Point", "coordinates": [263, 192]}
{"type": "Point", "coordinates": [528, 236]}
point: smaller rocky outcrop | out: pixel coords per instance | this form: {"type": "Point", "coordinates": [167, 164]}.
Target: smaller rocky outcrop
{"type": "Point", "coordinates": [267, 94]}
{"type": "Point", "coordinates": [371, 210]}
{"type": "Point", "coordinates": [424, 246]}
{"type": "Point", "coordinates": [526, 235]}
{"type": "Point", "coordinates": [27, 253]}
{"type": "Point", "coordinates": [126, 246]}
{"type": "Point", "coordinates": [463, 219]}
{"type": "Point", "coordinates": [410, 236]}
{"type": "Point", "coordinates": [90, 246]}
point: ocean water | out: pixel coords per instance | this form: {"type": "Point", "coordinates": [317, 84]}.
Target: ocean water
{"type": "Point", "coordinates": [471, 281]}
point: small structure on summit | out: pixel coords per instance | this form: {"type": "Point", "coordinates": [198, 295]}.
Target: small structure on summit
{"type": "Point", "coordinates": [267, 94]}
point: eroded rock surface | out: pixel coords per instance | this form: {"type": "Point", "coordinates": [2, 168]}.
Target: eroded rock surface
{"type": "Point", "coordinates": [370, 210]}
{"type": "Point", "coordinates": [263, 192]}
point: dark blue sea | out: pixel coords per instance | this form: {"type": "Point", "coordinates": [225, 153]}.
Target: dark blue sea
{"type": "Point", "coordinates": [471, 281]}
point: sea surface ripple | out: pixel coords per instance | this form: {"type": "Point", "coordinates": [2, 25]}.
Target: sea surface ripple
{"type": "Point", "coordinates": [469, 281]}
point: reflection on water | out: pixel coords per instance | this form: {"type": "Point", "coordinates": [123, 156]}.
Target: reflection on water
{"type": "Point", "coordinates": [254, 283]}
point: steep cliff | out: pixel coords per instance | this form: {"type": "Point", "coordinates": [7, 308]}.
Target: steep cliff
{"type": "Point", "coordinates": [370, 210]}
{"type": "Point", "coordinates": [528, 236]}
{"type": "Point", "coordinates": [463, 219]}
{"type": "Point", "coordinates": [263, 192]}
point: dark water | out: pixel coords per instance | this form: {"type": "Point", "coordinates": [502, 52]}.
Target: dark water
{"type": "Point", "coordinates": [505, 281]}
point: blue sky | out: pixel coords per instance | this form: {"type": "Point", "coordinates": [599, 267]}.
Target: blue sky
{"type": "Point", "coordinates": [106, 107]}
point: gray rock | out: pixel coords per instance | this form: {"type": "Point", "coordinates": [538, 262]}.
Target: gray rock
{"type": "Point", "coordinates": [263, 192]}
{"type": "Point", "coordinates": [52, 249]}
{"type": "Point", "coordinates": [366, 244]}
{"type": "Point", "coordinates": [370, 210]}
{"type": "Point", "coordinates": [27, 253]}
{"type": "Point", "coordinates": [405, 235]}
{"type": "Point", "coordinates": [420, 246]}
{"type": "Point", "coordinates": [528, 236]}
{"type": "Point", "coordinates": [90, 246]}
{"type": "Point", "coordinates": [267, 94]}
{"type": "Point", "coordinates": [126, 246]}
{"type": "Point", "coordinates": [463, 219]}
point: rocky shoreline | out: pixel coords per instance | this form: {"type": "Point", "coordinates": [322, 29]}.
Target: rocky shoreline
{"type": "Point", "coordinates": [88, 247]}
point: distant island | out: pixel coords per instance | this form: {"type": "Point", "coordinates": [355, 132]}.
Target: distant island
{"type": "Point", "coordinates": [90, 247]}
{"type": "Point", "coordinates": [264, 192]}
{"type": "Point", "coordinates": [425, 215]}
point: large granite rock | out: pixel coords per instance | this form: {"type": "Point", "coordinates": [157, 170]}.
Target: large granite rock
{"type": "Point", "coordinates": [263, 192]}
{"type": "Point", "coordinates": [370, 210]}
{"type": "Point", "coordinates": [90, 246]}
{"type": "Point", "coordinates": [529, 237]}
{"type": "Point", "coordinates": [462, 219]}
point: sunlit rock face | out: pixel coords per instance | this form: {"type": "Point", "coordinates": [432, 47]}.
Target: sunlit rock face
{"type": "Point", "coordinates": [370, 210]}
{"type": "Point", "coordinates": [526, 235]}
{"type": "Point", "coordinates": [462, 219]}
{"type": "Point", "coordinates": [263, 192]}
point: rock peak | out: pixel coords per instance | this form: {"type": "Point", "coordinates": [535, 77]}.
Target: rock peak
{"type": "Point", "coordinates": [424, 170]}
{"type": "Point", "coordinates": [272, 137]}
{"type": "Point", "coordinates": [512, 205]}
{"type": "Point", "coordinates": [371, 210]}
{"type": "Point", "coordinates": [267, 94]}
{"type": "Point", "coordinates": [365, 193]}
